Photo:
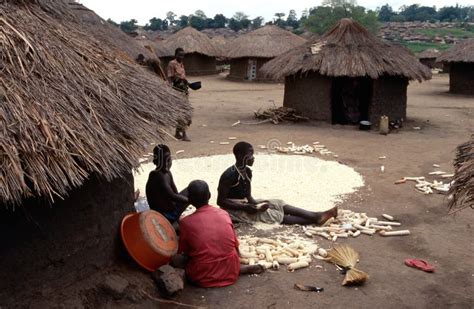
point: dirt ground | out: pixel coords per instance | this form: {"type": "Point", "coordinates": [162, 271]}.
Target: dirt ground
{"type": "Point", "coordinates": [446, 241]}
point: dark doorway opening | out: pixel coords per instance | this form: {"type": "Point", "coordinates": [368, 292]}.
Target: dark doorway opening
{"type": "Point", "coordinates": [350, 99]}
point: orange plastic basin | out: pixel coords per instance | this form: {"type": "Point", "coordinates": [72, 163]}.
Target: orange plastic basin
{"type": "Point", "coordinates": [149, 239]}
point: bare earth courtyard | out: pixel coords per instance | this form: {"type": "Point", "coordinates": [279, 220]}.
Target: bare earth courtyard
{"type": "Point", "coordinates": [446, 120]}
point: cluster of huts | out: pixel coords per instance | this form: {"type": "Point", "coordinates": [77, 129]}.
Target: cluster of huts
{"type": "Point", "coordinates": [347, 64]}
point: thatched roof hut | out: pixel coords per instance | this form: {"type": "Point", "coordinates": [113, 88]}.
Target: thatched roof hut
{"type": "Point", "coordinates": [347, 75]}
{"type": "Point", "coordinates": [462, 190]}
{"type": "Point", "coordinates": [428, 57]}
{"type": "Point", "coordinates": [249, 52]}
{"type": "Point", "coordinates": [200, 50]}
{"type": "Point", "coordinates": [460, 59]}
{"type": "Point", "coordinates": [73, 121]}
{"type": "Point", "coordinates": [106, 33]}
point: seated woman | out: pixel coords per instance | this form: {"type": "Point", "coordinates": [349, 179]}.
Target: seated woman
{"type": "Point", "coordinates": [208, 243]}
{"type": "Point", "coordinates": [235, 196]}
{"type": "Point", "coordinates": [161, 191]}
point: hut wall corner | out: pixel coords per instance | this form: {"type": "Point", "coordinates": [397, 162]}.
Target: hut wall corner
{"type": "Point", "coordinates": [389, 97]}
{"type": "Point", "coordinates": [461, 78]}
{"type": "Point", "coordinates": [197, 64]}
{"type": "Point", "coordinates": [310, 95]}
{"type": "Point", "coordinates": [58, 244]}
{"type": "Point", "coordinates": [238, 69]}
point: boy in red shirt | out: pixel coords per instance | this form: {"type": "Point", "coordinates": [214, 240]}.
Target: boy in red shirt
{"type": "Point", "coordinates": [208, 241]}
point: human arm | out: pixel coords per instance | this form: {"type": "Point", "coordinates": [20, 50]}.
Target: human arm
{"type": "Point", "coordinates": [262, 205]}
{"type": "Point", "coordinates": [171, 73]}
{"type": "Point", "coordinates": [167, 184]}
{"type": "Point", "coordinates": [225, 202]}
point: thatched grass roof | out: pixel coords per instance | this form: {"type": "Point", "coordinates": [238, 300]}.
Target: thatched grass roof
{"type": "Point", "coordinates": [429, 53]}
{"type": "Point", "coordinates": [348, 49]}
{"type": "Point", "coordinates": [461, 52]}
{"type": "Point", "coordinates": [106, 33]}
{"type": "Point", "coordinates": [462, 190]}
{"type": "Point", "coordinates": [68, 107]}
{"type": "Point", "coordinates": [221, 43]}
{"type": "Point", "coordinates": [191, 40]}
{"type": "Point", "coordinates": [266, 42]}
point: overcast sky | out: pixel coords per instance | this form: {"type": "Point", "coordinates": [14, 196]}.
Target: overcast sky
{"type": "Point", "coordinates": [143, 10]}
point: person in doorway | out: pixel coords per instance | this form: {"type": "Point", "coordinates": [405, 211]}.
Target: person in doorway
{"type": "Point", "coordinates": [177, 78]}
{"type": "Point", "coordinates": [208, 245]}
{"type": "Point", "coordinates": [161, 192]}
{"type": "Point", "coordinates": [350, 101]}
{"type": "Point", "coordinates": [235, 196]}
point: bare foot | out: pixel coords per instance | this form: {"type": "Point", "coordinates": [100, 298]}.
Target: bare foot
{"type": "Point", "coordinates": [251, 269]}
{"type": "Point", "coordinates": [185, 139]}
{"type": "Point", "coordinates": [325, 216]}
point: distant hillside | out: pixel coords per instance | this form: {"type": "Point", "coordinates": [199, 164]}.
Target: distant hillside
{"type": "Point", "coordinates": [419, 36]}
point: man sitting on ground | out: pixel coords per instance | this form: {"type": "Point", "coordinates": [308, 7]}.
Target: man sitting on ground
{"type": "Point", "coordinates": [209, 244]}
{"type": "Point", "coordinates": [161, 192]}
{"type": "Point", "coordinates": [235, 196]}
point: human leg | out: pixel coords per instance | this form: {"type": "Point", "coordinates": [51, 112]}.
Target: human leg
{"type": "Point", "coordinates": [290, 220]}
{"type": "Point", "coordinates": [251, 269]}
{"type": "Point", "coordinates": [314, 217]}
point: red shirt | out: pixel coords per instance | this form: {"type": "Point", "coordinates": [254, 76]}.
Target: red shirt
{"type": "Point", "coordinates": [207, 237]}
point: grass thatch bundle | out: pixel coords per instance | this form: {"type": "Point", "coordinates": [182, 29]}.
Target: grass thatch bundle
{"type": "Point", "coordinates": [347, 258]}
{"type": "Point", "coordinates": [108, 34]}
{"type": "Point", "coordinates": [462, 190]}
{"type": "Point", "coordinates": [191, 40]}
{"type": "Point", "coordinates": [266, 42]}
{"type": "Point", "coordinates": [68, 107]}
{"type": "Point", "coordinates": [220, 42]}
{"type": "Point", "coordinates": [461, 52]}
{"type": "Point", "coordinates": [348, 49]}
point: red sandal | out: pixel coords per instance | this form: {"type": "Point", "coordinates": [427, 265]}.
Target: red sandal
{"type": "Point", "coordinates": [420, 264]}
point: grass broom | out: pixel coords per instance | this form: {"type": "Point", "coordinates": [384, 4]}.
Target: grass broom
{"type": "Point", "coordinates": [346, 257]}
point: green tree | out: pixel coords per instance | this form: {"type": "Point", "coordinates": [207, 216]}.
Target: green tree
{"type": "Point", "coordinates": [183, 21]}
{"type": "Point", "coordinates": [240, 16]}
{"type": "Point", "coordinates": [456, 13]}
{"type": "Point", "coordinates": [292, 20]}
{"type": "Point", "coordinates": [129, 26]}
{"type": "Point", "coordinates": [200, 14]}
{"type": "Point", "coordinates": [219, 21]}
{"type": "Point", "coordinates": [257, 22]}
{"type": "Point", "coordinates": [155, 24]}
{"type": "Point", "coordinates": [165, 24]}
{"type": "Point", "coordinates": [110, 21]}
{"type": "Point", "coordinates": [385, 13]}
{"type": "Point", "coordinates": [197, 22]}
{"type": "Point", "coordinates": [322, 18]}
{"type": "Point", "coordinates": [234, 24]}
{"type": "Point", "coordinates": [339, 3]}
{"type": "Point", "coordinates": [415, 12]}
{"type": "Point", "coordinates": [171, 17]}
{"type": "Point", "coordinates": [239, 21]}
{"type": "Point", "coordinates": [279, 19]}
{"type": "Point", "coordinates": [246, 23]}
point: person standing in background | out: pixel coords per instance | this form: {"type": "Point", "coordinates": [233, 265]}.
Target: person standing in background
{"type": "Point", "coordinates": [176, 75]}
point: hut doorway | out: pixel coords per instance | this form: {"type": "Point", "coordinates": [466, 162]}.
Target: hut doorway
{"type": "Point", "coordinates": [350, 99]}
{"type": "Point", "coordinates": [252, 69]}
